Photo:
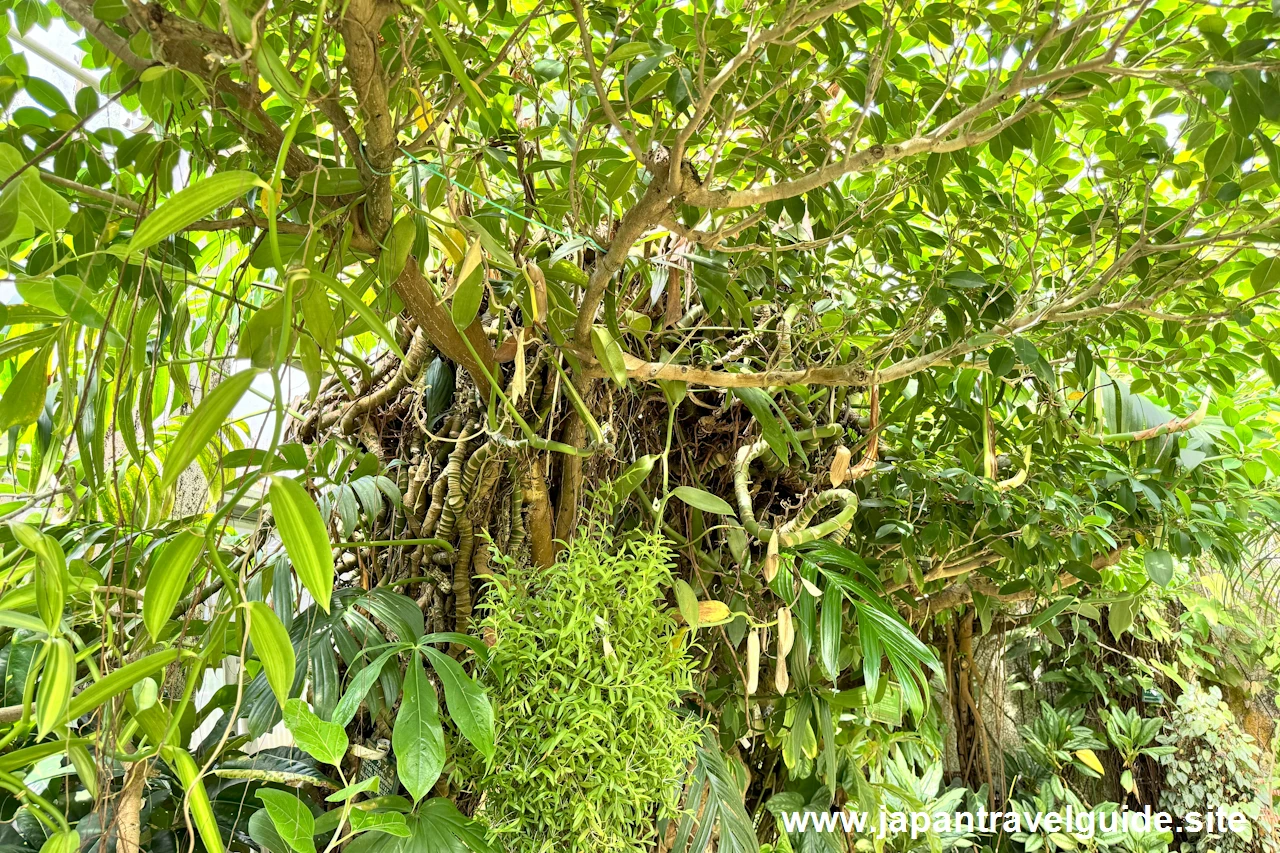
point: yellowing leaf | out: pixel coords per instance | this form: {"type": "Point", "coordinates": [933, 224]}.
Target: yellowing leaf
{"type": "Point", "coordinates": [712, 612]}
{"type": "Point", "coordinates": [1090, 760]}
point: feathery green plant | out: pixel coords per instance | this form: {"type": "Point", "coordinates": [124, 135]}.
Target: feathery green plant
{"type": "Point", "coordinates": [585, 675]}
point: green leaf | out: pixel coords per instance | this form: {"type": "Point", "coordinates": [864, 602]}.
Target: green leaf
{"type": "Point", "coordinates": [306, 540]}
{"type": "Point", "coordinates": [1220, 156]}
{"type": "Point", "coordinates": [291, 818]}
{"type": "Point", "coordinates": [1001, 361]}
{"type": "Point", "coordinates": [469, 292]}
{"type": "Point", "coordinates": [23, 400]}
{"type": "Point", "coordinates": [626, 51]}
{"type": "Point", "coordinates": [609, 353]}
{"type": "Point", "coordinates": [466, 702]}
{"type": "Point", "coordinates": [1031, 357]}
{"type": "Point", "coordinates": [363, 311]}
{"type": "Point", "coordinates": [344, 794]}
{"type": "Point", "coordinates": [1266, 274]}
{"type": "Point", "coordinates": [326, 742]}
{"type": "Point", "coordinates": [317, 317]}
{"type": "Point", "coordinates": [687, 601]}
{"type": "Point", "coordinates": [1120, 615]}
{"type": "Point", "coordinates": [418, 738]}
{"type": "Point", "coordinates": [360, 686]}
{"type": "Point", "coordinates": [272, 647]}
{"type": "Point", "coordinates": [170, 571]}
{"type": "Point", "coordinates": [62, 842]}
{"type": "Point", "coordinates": [50, 574]}
{"type": "Point", "coordinates": [392, 823]}
{"type": "Point", "coordinates": [395, 254]}
{"type": "Point", "coordinates": [1159, 565]}
{"type": "Point", "coordinates": [629, 480]}
{"type": "Point", "coordinates": [203, 425]}
{"type": "Point", "coordinates": [57, 679]}
{"type": "Point", "coordinates": [774, 426]}
{"type": "Point", "coordinates": [704, 501]}
{"type": "Point", "coordinates": [191, 205]}
{"type": "Point", "coordinates": [119, 681]}
{"type": "Point", "coordinates": [455, 64]}
{"type": "Point", "coordinates": [831, 620]}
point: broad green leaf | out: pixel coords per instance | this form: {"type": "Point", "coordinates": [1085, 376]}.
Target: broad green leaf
{"type": "Point", "coordinates": [272, 647]}
{"type": "Point", "coordinates": [326, 742]}
{"type": "Point", "coordinates": [170, 571]}
{"type": "Point", "coordinates": [203, 424]}
{"type": "Point", "coordinates": [418, 738]}
{"type": "Point", "coordinates": [629, 50]}
{"type": "Point", "coordinates": [831, 621]}
{"type": "Point", "coordinates": [466, 702]}
{"type": "Point", "coordinates": [687, 601]}
{"type": "Point", "coordinates": [1001, 361]}
{"type": "Point", "coordinates": [1120, 615]}
{"type": "Point", "coordinates": [629, 480]}
{"type": "Point", "coordinates": [291, 818]}
{"type": "Point", "coordinates": [23, 400]}
{"type": "Point", "coordinates": [119, 681]}
{"type": "Point", "coordinates": [50, 573]}
{"type": "Point", "coordinates": [1266, 274]}
{"type": "Point", "coordinates": [317, 316]}
{"type": "Point", "coordinates": [361, 683]}
{"type": "Point", "coordinates": [363, 311]}
{"type": "Point", "coordinates": [469, 290]}
{"type": "Point", "coordinates": [57, 678]}
{"type": "Point", "coordinates": [609, 353]}
{"type": "Point", "coordinates": [344, 794]}
{"type": "Point", "coordinates": [192, 204]}
{"type": "Point", "coordinates": [395, 254]}
{"type": "Point", "coordinates": [1220, 155]}
{"type": "Point", "coordinates": [702, 500]}
{"type": "Point", "coordinates": [1159, 565]}
{"type": "Point", "coordinates": [392, 823]}
{"type": "Point", "coordinates": [62, 842]}
{"type": "Point", "coordinates": [306, 540]}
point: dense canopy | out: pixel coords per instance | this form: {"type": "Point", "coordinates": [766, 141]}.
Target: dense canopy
{"type": "Point", "coordinates": [834, 336]}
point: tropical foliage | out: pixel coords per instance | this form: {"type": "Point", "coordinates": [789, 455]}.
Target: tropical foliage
{"type": "Point", "coordinates": [396, 360]}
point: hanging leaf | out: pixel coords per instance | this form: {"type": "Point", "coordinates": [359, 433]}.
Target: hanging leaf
{"type": "Point", "coordinates": [468, 290]}
{"type": "Point", "coordinates": [272, 647]}
{"type": "Point", "coordinates": [305, 538]}
{"type": "Point", "coordinates": [203, 424]}
{"type": "Point", "coordinates": [57, 678]}
{"type": "Point", "coordinates": [50, 574]}
{"type": "Point", "coordinates": [418, 738]}
{"type": "Point", "coordinates": [192, 204]}
{"type": "Point", "coordinates": [363, 311]}
{"type": "Point", "coordinates": [687, 601]}
{"type": "Point", "coordinates": [119, 681]}
{"type": "Point", "coordinates": [170, 571]}
{"type": "Point", "coordinates": [23, 400]}
{"type": "Point", "coordinates": [466, 702]}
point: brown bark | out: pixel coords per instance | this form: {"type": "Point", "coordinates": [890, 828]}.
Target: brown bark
{"type": "Point", "coordinates": [129, 809]}
{"type": "Point", "coordinates": [434, 320]}
{"type": "Point", "coordinates": [539, 524]}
